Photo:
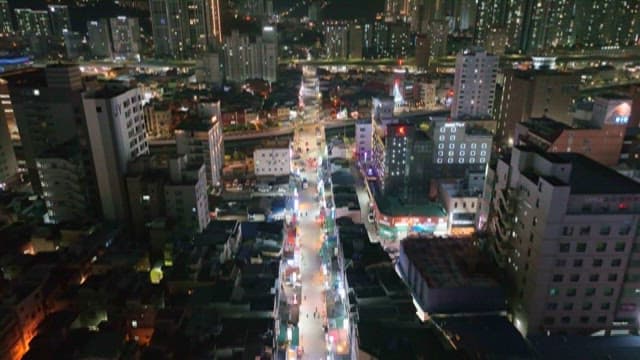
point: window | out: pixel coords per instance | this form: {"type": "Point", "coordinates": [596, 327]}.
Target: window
{"type": "Point", "coordinates": [577, 263]}
{"type": "Point", "coordinates": [534, 222]}
{"type": "Point", "coordinates": [590, 292]}
{"type": "Point", "coordinates": [602, 319]}
{"type": "Point", "coordinates": [605, 230]}
{"type": "Point", "coordinates": [616, 262]}
{"type": "Point", "coordinates": [564, 247]}
{"type": "Point", "coordinates": [548, 320]}
{"type": "Point", "coordinates": [561, 262]}
{"type": "Point", "coordinates": [441, 137]}
{"type": "Point", "coordinates": [552, 306]}
{"type": "Point", "coordinates": [484, 146]}
{"type": "Point", "coordinates": [452, 138]}
{"type": "Point", "coordinates": [601, 247]}
{"type": "Point", "coordinates": [565, 319]}
{"type": "Point", "coordinates": [483, 160]}
{"type": "Point", "coordinates": [624, 230]}
{"type": "Point", "coordinates": [620, 246]}
{"type": "Point", "coordinates": [452, 146]}
{"type": "Point", "coordinates": [612, 277]}
{"type": "Point", "coordinates": [605, 306]}
{"type": "Point", "coordinates": [585, 230]}
{"type": "Point", "coordinates": [594, 277]}
{"type": "Point", "coordinates": [597, 262]}
{"type": "Point", "coordinates": [567, 306]}
{"type": "Point", "coordinates": [553, 292]}
{"type": "Point", "coordinates": [587, 306]}
{"type": "Point", "coordinates": [473, 145]}
{"type": "Point", "coordinates": [608, 292]}
{"type": "Point", "coordinates": [558, 278]}
{"type": "Point", "coordinates": [440, 146]}
{"type": "Point", "coordinates": [567, 230]}
{"type": "Point", "coordinates": [584, 319]}
{"type": "Point", "coordinates": [571, 292]}
{"type": "Point", "coordinates": [574, 278]}
{"type": "Point", "coordinates": [581, 247]}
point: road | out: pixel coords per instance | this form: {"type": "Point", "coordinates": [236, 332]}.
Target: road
{"type": "Point", "coordinates": [310, 234]}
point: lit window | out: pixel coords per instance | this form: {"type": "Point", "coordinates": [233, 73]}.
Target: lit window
{"type": "Point", "coordinates": [483, 160]}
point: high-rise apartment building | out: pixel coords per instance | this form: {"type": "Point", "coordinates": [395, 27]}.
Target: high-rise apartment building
{"type": "Point", "coordinates": [356, 36]}
{"type": "Point", "coordinates": [32, 23]}
{"type": "Point", "coordinates": [117, 135]}
{"type": "Point", "coordinates": [602, 23]}
{"type": "Point", "coordinates": [438, 35]}
{"type": "Point", "coordinates": [48, 110]}
{"type": "Point", "coordinates": [6, 24]}
{"type": "Point", "coordinates": [399, 39]}
{"type": "Point", "coordinates": [8, 164]}
{"type": "Point", "coordinates": [534, 94]}
{"type": "Point", "coordinates": [474, 83]}
{"type": "Point", "coordinates": [248, 57]}
{"type": "Point", "coordinates": [567, 244]}
{"type": "Point", "coordinates": [184, 28]}
{"type": "Point", "coordinates": [125, 35]}
{"type": "Point", "coordinates": [60, 21]}
{"type": "Point", "coordinates": [99, 38]}
{"type": "Point", "coordinates": [336, 39]}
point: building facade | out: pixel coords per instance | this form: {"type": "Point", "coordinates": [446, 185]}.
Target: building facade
{"type": "Point", "coordinates": [474, 84]}
{"type": "Point", "coordinates": [99, 39]}
{"type": "Point", "coordinates": [274, 161]}
{"type": "Point", "coordinates": [566, 243]}
{"type": "Point", "coordinates": [117, 134]}
{"type": "Point", "coordinates": [125, 36]}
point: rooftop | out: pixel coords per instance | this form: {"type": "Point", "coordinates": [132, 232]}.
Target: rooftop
{"type": "Point", "coordinates": [194, 124]}
{"type": "Point", "coordinates": [448, 262]}
{"type": "Point", "coordinates": [394, 206]}
{"type": "Point", "coordinates": [601, 179]}
{"type": "Point", "coordinates": [109, 90]}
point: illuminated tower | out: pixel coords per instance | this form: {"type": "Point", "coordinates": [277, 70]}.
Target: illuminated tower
{"type": "Point", "coordinates": [475, 83]}
{"type": "Point", "coordinates": [213, 20]}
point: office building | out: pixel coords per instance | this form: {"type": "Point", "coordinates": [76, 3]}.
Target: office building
{"type": "Point", "coordinates": [534, 94]}
{"type": "Point", "coordinates": [184, 28]}
{"type": "Point", "coordinates": [201, 138]}
{"type": "Point", "coordinates": [6, 24]}
{"type": "Point", "coordinates": [32, 23]}
{"type": "Point", "coordinates": [474, 84]}
{"type": "Point", "coordinates": [248, 57]}
{"type": "Point", "coordinates": [566, 243]}
{"type": "Point", "coordinates": [99, 38]}
{"type": "Point", "coordinates": [125, 36]}
{"type": "Point", "coordinates": [74, 45]}
{"type": "Point", "coordinates": [175, 189]}
{"type": "Point", "coordinates": [60, 22]}
{"type": "Point", "coordinates": [117, 135]}
{"type": "Point", "coordinates": [272, 161]}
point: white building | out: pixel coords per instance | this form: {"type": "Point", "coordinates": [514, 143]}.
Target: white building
{"type": "Point", "coordinates": [117, 135]}
{"type": "Point", "coordinates": [8, 164]}
{"type": "Point", "coordinates": [474, 83]}
{"type": "Point", "coordinates": [364, 130]}
{"type": "Point", "coordinates": [201, 139]}
{"type": "Point", "coordinates": [246, 58]}
{"type": "Point", "coordinates": [273, 161]}
{"type": "Point", "coordinates": [64, 184]}
{"type": "Point", "coordinates": [186, 196]}
{"type": "Point", "coordinates": [459, 142]}
{"type": "Point", "coordinates": [564, 229]}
